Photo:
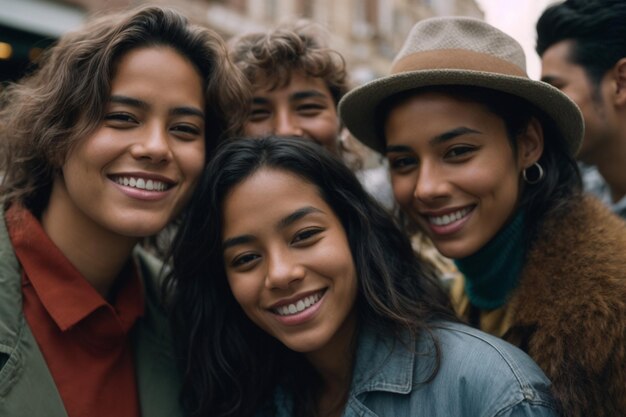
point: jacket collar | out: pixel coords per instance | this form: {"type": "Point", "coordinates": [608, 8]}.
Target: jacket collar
{"type": "Point", "coordinates": [383, 363]}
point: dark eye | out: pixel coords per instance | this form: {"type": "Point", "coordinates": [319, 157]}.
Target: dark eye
{"type": "Point", "coordinates": [187, 130]}
{"type": "Point", "coordinates": [306, 234]}
{"type": "Point", "coordinates": [402, 162]}
{"type": "Point", "coordinates": [310, 109]}
{"type": "Point", "coordinates": [120, 119]}
{"type": "Point", "coordinates": [244, 259]}
{"type": "Point", "coordinates": [258, 114]}
{"type": "Point", "coordinates": [459, 151]}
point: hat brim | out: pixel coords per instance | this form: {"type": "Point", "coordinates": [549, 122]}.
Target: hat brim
{"type": "Point", "coordinates": [358, 108]}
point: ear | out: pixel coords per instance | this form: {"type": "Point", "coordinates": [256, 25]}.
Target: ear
{"type": "Point", "coordinates": [619, 72]}
{"type": "Point", "coordinates": [530, 144]}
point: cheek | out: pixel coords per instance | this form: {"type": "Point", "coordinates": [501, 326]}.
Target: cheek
{"type": "Point", "coordinates": [403, 187]}
{"type": "Point", "coordinates": [343, 262]}
{"type": "Point", "coordinates": [257, 128]}
{"type": "Point", "coordinates": [246, 294]}
{"type": "Point", "coordinates": [500, 185]}
{"type": "Point", "coordinates": [191, 161]}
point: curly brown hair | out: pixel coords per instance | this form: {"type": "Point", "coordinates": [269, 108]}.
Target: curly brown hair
{"type": "Point", "coordinates": [47, 113]}
{"type": "Point", "coordinates": [269, 58]}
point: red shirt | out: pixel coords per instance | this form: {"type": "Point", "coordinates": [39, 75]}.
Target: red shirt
{"type": "Point", "coordinates": [83, 338]}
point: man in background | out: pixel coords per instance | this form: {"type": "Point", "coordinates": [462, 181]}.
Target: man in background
{"type": "Point", "coordinates": [582, 45]}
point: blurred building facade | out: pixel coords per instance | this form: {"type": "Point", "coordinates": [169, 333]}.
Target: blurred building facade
{"type": "Point", "coordinates": [367, 32]}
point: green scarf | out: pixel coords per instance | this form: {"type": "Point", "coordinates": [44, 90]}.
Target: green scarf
{"type": "Point", "coordinates": [492, 273]}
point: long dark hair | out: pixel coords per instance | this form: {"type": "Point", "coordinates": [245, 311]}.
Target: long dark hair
{"type": "Point", "coordinates": [231, 367]}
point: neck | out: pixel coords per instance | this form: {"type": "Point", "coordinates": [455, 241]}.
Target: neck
{"type": "Point", "coordinates": [492, 273]}
{"type": "Point", "coordinates": [334, 365]}
{"type": "Point", "coordinates": [97, 253]}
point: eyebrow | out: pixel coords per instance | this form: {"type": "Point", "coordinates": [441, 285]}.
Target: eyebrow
{"type": "Point", "coordinates": [550, 79]}
{"type": "Point", "coordinates": [140, 104]}
{"type": "Point", "coordinates": [237, 240]}
{"type": "Point", "coordinates": [298, 95]}
{"type": "Point", "coordinates": [129, 101]}
{"type": "Point", "coordinates": [301, 95]}
{"type": "Point", "coordinates": [284, 222]}
{"type": "Point", "coordinates": [297, 215]}
{"type": "Point", "coordinates": [441, 138]}
{"type": "Point", "coordinates": [259, 100]}
{"type": "Point", "coordinates": [187, 111]}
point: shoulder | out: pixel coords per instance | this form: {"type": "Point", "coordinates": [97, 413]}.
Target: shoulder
{"type": "Point", "coordinates": [483, 357]}
{"type": "Point", "coordinates": [573, 295]}
{"type": "Point", "coordinates": [477, 375]}
{"type": "Point", "coordinates": [574, 280]}
{"type": "Point", "coordinates": [489, 372]}
{"type": "Point", "coordinates": [576, 265]}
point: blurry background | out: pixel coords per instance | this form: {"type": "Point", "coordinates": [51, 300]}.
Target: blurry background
{"type": "Point", "coordinates": [367, 32]}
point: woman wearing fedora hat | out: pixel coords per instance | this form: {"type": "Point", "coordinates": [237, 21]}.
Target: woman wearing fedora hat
{"type": "Point", "coordinates": [481, 159]}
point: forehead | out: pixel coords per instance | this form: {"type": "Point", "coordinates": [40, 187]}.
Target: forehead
{"type": "Point", "coordinates": [426, 115]}
{"type": "Point", "coordinates": [297, 81]}
{"type": "Point", "coordinates": [251, 206]}
{"type": "Point", "coordinates": [558, 54]}
{"type": "Point", "coordinates": [261, 190]}
{"type": "Point", "coordinates": [421, 102]}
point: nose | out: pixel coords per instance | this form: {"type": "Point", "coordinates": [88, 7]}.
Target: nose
{"type": "Point", "coordinates": [152, 145]}
{"type": "Point", "coordinates": [430, 184]}
{"type": "Point", "coordinates": [286, 124]}
{"type": "Point", "coordinates": [283, 269]}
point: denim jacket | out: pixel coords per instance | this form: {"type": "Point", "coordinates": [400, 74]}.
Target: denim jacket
{"type": "Point", "coordinates": [478, 376]}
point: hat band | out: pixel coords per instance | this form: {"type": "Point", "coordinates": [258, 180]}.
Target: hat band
{"type": "Point", "coordinates": [459, 59]}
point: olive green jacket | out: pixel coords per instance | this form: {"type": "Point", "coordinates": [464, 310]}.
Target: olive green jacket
{"type": "Point", "coordinates": [26, 386]}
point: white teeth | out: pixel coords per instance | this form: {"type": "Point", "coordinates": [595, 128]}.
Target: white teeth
{"type": "Point", "coordinates": [299, 305]}
{"type": "Point", "coordinates": [446, 219]}
{"type": "Point", "coordinates": [142, 184]}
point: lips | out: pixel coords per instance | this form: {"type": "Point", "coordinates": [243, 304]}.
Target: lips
{"type": "Point", "coordinates": [299, 305]}
{"type": "Point", "coordinates": [446, 219]}
{"type": "Point", "coordinates": [447, 222]}
{"type": "Point", "coordinates": [145, 183]}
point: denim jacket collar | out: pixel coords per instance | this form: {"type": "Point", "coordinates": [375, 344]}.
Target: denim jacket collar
{"type": "Point", "coordinates": [383, 363]}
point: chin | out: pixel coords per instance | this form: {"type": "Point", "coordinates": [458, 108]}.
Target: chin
{"type": "Point", "coordinates": [301, 346]}
{"type": "Point", "coordinates": [454, 251]}
{"type": "Point", "coordinates": [141, 231]}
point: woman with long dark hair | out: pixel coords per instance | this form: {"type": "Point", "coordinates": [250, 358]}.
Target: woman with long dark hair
{"type": "Point", "coordinates": [482, 159]}
{"type": "Point", "coordinates": [295, 294]}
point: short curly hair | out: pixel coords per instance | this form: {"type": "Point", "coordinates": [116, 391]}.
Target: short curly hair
{"type": "Point", "coordinates": [270, 58]}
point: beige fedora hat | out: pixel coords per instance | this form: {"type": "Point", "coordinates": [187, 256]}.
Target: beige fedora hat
{"type": "Point", "coordinates": [458, 51]}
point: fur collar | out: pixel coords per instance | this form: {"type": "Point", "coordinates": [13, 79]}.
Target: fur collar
{"type": "Point", "coordinates": [570, 307]}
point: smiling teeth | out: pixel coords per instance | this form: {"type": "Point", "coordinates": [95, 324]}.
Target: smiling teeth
{"type": "Point", "coordinates": [140, 183]}
{"type": "Point", "coordinates": [299, 306]}
{"type": "Point", "coordinates": [448, 218]}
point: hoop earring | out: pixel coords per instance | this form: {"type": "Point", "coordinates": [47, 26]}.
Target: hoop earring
{"type": "Point", "coordinates": [533, 178]}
